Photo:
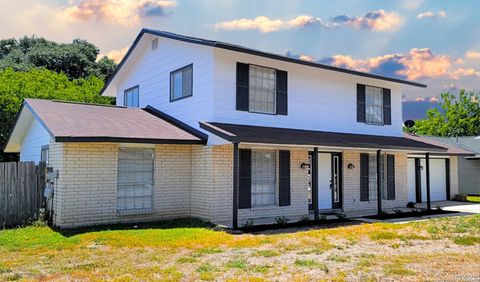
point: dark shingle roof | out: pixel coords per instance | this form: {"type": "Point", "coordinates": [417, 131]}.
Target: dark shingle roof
{"type": "Point", "coordinates": [289, 136]}
{"type": "Point", "coordinates": [74, 122]}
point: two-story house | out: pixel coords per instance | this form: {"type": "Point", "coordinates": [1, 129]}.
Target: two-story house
{"type": "Point", "coordinates": [224, 133]}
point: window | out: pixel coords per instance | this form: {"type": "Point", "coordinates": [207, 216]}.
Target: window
{"type": "Point", "coordinates": [135, 179]}
{"type": "Point", "coordinates": [262, 89]}
{"type": "Point", "coordinates": [44, 154]}
{"type": "Point", "coordinates": [263, 177]}
{"type": "Point", "coordinates": [181, 83]}
{"type": "Point", "coordinates": [373, 105]}
{"type": "Point", "coordinates": [131, 97]}
{"type": "Point", "coordinates": [372, 177]}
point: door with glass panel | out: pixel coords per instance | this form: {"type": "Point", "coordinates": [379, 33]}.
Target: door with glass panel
{"type": "Point", "coordinates": [329, 181]}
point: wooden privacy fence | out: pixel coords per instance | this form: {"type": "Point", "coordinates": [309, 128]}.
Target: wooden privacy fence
{"type": "Point", "coordinates": [21, 192]}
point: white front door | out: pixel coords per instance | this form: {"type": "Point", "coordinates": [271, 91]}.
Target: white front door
{"type": "Point", "coordinates": [324, 181]}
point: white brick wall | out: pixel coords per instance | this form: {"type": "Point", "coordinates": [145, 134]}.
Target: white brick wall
{"type": "Point", "coordinates": [351, 184]}
{"type": "Point", "coordinates": [189, 180]}
{"type": "Point", "coordinates": [85, 193]}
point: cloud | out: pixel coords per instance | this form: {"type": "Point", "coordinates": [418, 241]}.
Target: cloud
{"type": "Point", "coordinates": [375, 20]}
{"type": "Point", "coordinates": [116, 55]}
{"type": "Point", "coordinates": [123, 12]}
{"type": "Point", "coordinates": [418, 63]}
{"type": "Point", "coordinates": [472, 54]}
{"type": "Point", "coordinates": [432, 15]}
{"type": "Point", "coordinates": [265, 24]}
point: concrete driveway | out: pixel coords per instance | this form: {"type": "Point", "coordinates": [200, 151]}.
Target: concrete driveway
{"type": "Point", "coordinates": [466, 207]}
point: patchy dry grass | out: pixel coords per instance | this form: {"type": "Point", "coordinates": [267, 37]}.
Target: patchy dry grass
{"type": "Point", "coordinates": [436, 249]}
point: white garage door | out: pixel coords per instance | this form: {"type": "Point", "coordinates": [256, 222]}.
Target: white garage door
{"type": "Point", "coordinates": [438, 183]}
{"type": "Point", "coordinates": [438, 180]}
{"type": "Point", "coordinates": [411, 180]}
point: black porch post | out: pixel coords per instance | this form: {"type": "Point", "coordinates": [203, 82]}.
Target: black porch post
{"type": "Point", "coordinates": [314, 172]}
{"type": "Point", "coordinates": [236, 171]}
{"type": "Point", "coordinates": [379, 182]}
{"type": "Point", "coordinates": [427, 173]}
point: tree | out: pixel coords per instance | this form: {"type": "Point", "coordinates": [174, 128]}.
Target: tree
{"type": "Point", "coordinates": [42, 84]}
{"type": "Point", "coordinates": [77, 59]}
{"type": "Point", "coordinates": [459, 116]}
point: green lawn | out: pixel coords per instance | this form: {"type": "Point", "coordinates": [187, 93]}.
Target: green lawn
{"type": "Point", "coordinates": [187, 250]}
{"type": "Point", "coordinates": [475, 199]}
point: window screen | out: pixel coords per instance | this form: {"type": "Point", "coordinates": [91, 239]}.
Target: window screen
{"type": "Point", "coordinates": [263, 177]}
{"type": "Point", "coordinates": [131, 97]}
{"type": "Point", "coordinates": [181, 83]}
{"type": "Point", "coordinates": [372, 177]}
{"type": "Point", "coordinates": [262, 89]}
{"type": "Point", "coordinates": [135, 179]}
{"type": "Point", "coordinates": [373, 105]}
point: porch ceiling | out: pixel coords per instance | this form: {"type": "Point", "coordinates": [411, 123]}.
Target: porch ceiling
{"type": "Point", "coordinates": [290, 136]}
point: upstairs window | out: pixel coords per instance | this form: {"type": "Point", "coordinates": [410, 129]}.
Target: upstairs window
{"type": "Point", "coordinates": [262, 89]}
{"type": "Point", "coordinates": [181, 83]}
{"type": "Point", "coordinates": [131, 97]}
{"type": "Point", "coordinates": [373, 105]}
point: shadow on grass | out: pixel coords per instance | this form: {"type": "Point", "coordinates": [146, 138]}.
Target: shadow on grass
{"type": "Point", "coordinates": [168, 224]}
{"type": "Point", "coordinates": [298, 226]}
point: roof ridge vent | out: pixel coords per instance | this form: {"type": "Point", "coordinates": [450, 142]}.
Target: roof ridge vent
{"type": "Point", "coordinates": [154, 44]}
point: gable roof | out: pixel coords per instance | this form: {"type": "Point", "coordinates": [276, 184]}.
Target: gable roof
{"type": "Point", "coordinates": [241, 49]}
{"type": "Point", "coordinates": [75, 122]}
{"type": "Point", "coordinates": [452, 149]}
{"type": "Point", "coordinates": [301, 137]}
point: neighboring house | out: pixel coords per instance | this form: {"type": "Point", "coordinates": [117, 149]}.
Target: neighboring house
{"type": "Point", "coordinates": [228, 134]}
{"type": "Point", "coordinates": [468, 168]}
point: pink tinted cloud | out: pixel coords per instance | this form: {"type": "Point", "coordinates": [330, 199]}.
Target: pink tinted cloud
{"type": "Point", "coordinates": [374, 20]}
{"type": "Point", "coordinates": [432, 15]}
{"type": "Point", "coordinates": [123, 12]}
{"type": "Point", "coordinates": [265, 24]}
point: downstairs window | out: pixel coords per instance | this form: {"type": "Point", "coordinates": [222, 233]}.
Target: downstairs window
{"type": "Point", "coordinates": [135, 179]}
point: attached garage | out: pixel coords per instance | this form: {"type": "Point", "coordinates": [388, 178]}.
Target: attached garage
{"type": "Point", "coordinates": [439, 179]}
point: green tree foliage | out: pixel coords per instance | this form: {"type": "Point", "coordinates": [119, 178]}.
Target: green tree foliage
{"type": "Point", "coordinates": [42, 84]}
{"type": "Point", "coordinates": [459, 116]}
{"type": "Point", "coordinates": [77, 59]}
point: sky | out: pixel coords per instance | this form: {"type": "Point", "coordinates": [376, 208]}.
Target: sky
{"type": "Point", "coordinates": [435, 42]}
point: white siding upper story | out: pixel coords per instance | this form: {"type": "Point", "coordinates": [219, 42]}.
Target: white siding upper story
{"type": "Point", "coordinates": [151, 72]}
{"type": "Point", "coordinates": [37, 136]}
{"type": "Point", "coordinates": [318, 99]}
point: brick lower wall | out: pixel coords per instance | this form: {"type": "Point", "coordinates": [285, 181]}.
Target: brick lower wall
{"type": "Point", "coordinates": [189, 181]}
{"type": "Point", "coordinates": [351, 184]}
{"type": "Point", "coordinates": [86, 190]}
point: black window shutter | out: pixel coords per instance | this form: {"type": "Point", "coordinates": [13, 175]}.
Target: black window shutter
{"type": "Point", "coordinates": [242, 86]}
{"type": "Point", "coordinates": [282, 95]}
{"type": "Point", "coordinates": [284, 177]}
{"type": "Point", "coordinates": [245, 183]}
{"type": "Point", "coordinates": [390, 177]}
{"type": "Point", "coordinates": [387, 108]}
{"type": "Point", "coordinates": [363, 177]}
{"type": "Point", "coordinates": [360, 103]}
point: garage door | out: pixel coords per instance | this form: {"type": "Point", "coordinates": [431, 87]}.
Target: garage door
{"type": "Point", "coordinates": [438, 183]}
{"type": "Point", "coordinates": [438, 180]}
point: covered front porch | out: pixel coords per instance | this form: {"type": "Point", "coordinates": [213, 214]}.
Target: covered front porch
{"type": "Point", "coordinates": [317, 173]}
